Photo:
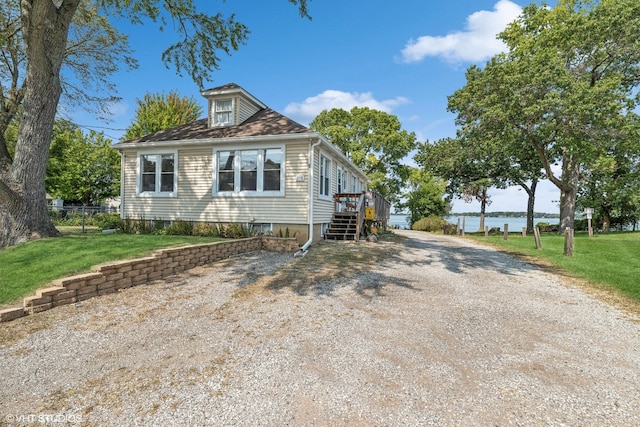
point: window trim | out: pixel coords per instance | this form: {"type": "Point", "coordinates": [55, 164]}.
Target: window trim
{"type": "Point", "coordinates": [321, 177]}
{"type": "Point", "coordinates": [237, 164]}
{"type": "Point", "coordinates": [139, 192]}
{"type": "Point", "coordinates": [214, 112]}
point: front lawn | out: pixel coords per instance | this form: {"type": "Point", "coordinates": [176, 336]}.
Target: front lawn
{"type": "Point", "coordinates": [29, 266]}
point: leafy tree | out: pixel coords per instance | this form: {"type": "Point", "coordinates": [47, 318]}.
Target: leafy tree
{"type": "Point", "coordinates": [158, 112]}
{"type": "Point", "coordinates": [95, 50]}
{"type": "Point", "coordinates": [487, 140]}
{"type": "Point", "coordinates": [374, 141]}
{"type": "Point", "coordinates": [82, 167]}
{"type": "Point", "coordinates": [611, 186]}
{"type": "Point", "coordinates": [466, 166]}
{"type": "Point", "coordinates": [567, 84]}
{"type": "Point", "coordinates": [425, 196]}
{"type": "Point", "coordinates": [45, 28]}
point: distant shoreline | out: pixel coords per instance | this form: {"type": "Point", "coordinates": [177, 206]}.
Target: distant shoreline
{"type": "Point", "coordinates": [507, 214]}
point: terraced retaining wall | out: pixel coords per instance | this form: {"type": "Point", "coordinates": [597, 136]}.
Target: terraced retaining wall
{"type": "Point", "coordinates": [110, 278]}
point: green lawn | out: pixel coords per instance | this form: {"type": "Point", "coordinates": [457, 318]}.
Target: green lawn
{"type": "Point", "coordinates": [29, 266]}
{"type": "Point", "coordinates": [605, 260]}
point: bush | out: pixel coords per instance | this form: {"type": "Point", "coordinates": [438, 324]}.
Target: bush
{"type": "Point", "coordinates": [202, 229]}
{"type": "Point", "coordinates": [234, 231]}
{"type": "Point", "coordinates": [545, 227]}
{"type": "Point", "coordinates": [141, 226]}
{"type": "Point", "coordinates": [107, 221]}
{"type": "Point", "coordinates": [179, 228]}
{"type": "Point", "coordinates": [430, 224]}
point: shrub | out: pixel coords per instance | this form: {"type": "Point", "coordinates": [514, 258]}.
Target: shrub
{"type": "Point", "coordinates": [179, 228]}
{"type": "Point", "coordinates": [430, 224]}
{"type": "Point", "coordinates": [141, 226]}
{"type": "Point", "coordinates": [107, 221]}
{"type": "Point", "coordinates": [202, 229]}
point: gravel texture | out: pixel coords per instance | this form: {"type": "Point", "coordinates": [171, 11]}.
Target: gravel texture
{"type": "Point", "coordinates": [442, 332]}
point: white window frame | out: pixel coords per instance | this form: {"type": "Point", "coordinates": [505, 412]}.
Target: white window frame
{"type": "Point", "coordinates": [230, 111]}
{"type": "Point", "coordinates": [237, 165]}
{"type": "Point", "coordinates": [158, 172]}
{"type": "Point", "coordinates": [345, 180]}
{"type": "Point", "coordinates": [339, 179]}
{"type": "Point", "coordinates": [325, 167]}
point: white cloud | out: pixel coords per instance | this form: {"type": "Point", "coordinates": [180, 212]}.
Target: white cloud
{"type": "Point", "coordinates": [312, 106]}
{"type": "Point", "coordinates": [477, 43]}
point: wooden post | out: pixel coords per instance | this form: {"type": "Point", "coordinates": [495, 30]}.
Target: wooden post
{"type": "Point", "coordinates": [486, 231]}
{"type": "Point", "coordinates": [536, 237]}
{"type": "Point", "coordinates": [524, 231]}
{"type": "Point", "coordinates": [464, 220]}
{"type": "Point", "coordinates": [568, 241]}
{"type": "Point", "coordinates": [505, 235]}
{"type": "Point", "coordinates": [458, 227]}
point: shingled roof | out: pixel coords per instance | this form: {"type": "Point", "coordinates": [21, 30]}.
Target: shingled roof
{"type": "Point", "coordinates": [264, 122]}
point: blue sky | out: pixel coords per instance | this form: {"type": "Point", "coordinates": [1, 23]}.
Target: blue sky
{"type": "Point", "coordinates": [403, 57]}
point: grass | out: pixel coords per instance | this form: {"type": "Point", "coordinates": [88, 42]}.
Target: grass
{"type": "Point", "coordinates": [29, 266]}
{"type": "Point", "coordinates": [606, 261]}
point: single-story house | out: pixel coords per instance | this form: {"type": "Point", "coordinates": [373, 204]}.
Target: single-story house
{"type": "Point", "coordinates": [245, 163]}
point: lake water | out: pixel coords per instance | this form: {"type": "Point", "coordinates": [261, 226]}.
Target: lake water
{"type": "Point", "coordinates": [472, 223]}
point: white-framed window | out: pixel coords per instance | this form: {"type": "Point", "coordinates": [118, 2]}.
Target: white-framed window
{"type": "Point", "coordinates": [353, 184]}
{"type": "Point", "coordinates": [223, 112]}
{"type": "Point", "coordinates": [325, 177]}
{"type": "Point", "coordinates": [339, 179]}
{"type": "Point", "coordinates": [264, 229]}
{"type": "Point", "coordinates": [345, 178]}
{"type": "Point", "coordinates": [257, 171]}
{"type": "Point", "coordinates": [157, 174]}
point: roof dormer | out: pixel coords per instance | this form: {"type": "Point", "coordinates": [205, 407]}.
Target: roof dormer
{"type": "Point", "coordinates": [230, 105]}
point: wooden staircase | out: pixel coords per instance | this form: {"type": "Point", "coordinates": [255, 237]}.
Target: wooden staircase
{"type": "Point", "coordinates": [343, 226]}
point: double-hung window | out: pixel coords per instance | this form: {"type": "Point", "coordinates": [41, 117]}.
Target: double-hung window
{"type": "Point", "coordinates": [325, 176]}
{"type": "Point", "coordinates": [254, 171]}
{"type": "Point", "coordinates": [223, 112]}
{"type": "Point", "coordinates": [157, 174]}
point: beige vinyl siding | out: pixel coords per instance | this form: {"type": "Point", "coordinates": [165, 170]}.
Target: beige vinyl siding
{"type": "Point", "coordinates": [195, 202]}
{"type": "Point", "coordinates": [245, 109]}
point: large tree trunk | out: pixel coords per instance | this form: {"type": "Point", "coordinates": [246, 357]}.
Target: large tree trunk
{"type": "Point", "coordinates": [606, 220]}
{"type": "Point", "coordinates": [23, 206]}
{"type": "Point", "coordinates": [568, 191]}
{"type": "Point", "coordinates": [531, 192]}
{"type": "Point", "coordinates": [483, 207]}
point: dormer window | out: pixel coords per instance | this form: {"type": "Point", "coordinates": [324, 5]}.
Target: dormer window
{"type": "Point", "coordinates": [223, 112]}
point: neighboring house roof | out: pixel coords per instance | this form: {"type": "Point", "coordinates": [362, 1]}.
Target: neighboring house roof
{"type": "Point", "coordinates": [264, 122]}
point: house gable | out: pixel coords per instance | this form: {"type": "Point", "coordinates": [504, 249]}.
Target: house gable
{"type": "Point", "coordinates": [230, 105]}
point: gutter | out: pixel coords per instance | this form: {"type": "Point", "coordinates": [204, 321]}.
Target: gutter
{"type": "Point", "coordinates": [303, 249]}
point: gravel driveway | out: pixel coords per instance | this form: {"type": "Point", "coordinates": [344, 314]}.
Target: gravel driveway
{"type": "Point", "coordinates": [442, 332]}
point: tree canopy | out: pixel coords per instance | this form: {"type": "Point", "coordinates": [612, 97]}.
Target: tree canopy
{"type": "Point", "coordinates": [424, 196]}
{"type": "Point", "coordinates": [157, 112]}
{"type": "Point", "coordinates": [564, 90]}
{"type": "Point", "coordinates": [82, 167]}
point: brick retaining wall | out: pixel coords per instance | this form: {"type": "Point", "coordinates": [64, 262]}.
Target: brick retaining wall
{"type": "Point", "coordinates": [110, 278]}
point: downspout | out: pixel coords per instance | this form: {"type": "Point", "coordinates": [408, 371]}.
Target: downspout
{"type": "Point", "coordinates": [303, 249]}
{"type": "Point", "coordinates": [123, 158]}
